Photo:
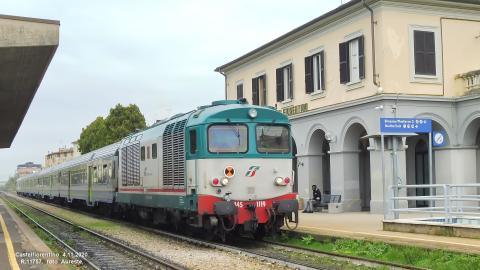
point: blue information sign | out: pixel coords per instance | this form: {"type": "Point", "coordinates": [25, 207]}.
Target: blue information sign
{"type": "Point", "coordinates": [405, 125]}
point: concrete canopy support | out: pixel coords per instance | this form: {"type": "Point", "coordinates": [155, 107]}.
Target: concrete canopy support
{"type": "Point", "coordinates": [27, 47]}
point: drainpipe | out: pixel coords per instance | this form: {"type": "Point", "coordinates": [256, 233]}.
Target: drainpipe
{"type": "Point", "coordinates": [225, 76]}
{"type": "Point", "coordinates": [373, 23]}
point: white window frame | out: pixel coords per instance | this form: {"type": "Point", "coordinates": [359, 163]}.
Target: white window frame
{"type": "Point", "coordinates": [418, 78]}
{"type": "Point", "coordinates": [283, 66]}
{"type": "Point", "coordinates": [237, 83]}
{"type": "Point", "coordinates": [350, 38]}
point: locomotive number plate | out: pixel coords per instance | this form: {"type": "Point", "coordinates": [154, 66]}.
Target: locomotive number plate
{"type": "Point", "coordinates": [244, 204]}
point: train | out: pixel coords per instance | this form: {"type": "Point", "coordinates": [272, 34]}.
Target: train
{"type": "Point", "coordinates": [222, 168]}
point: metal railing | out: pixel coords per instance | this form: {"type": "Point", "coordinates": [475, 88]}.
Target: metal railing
{"type": "Point", "coordinates": [449, 200]}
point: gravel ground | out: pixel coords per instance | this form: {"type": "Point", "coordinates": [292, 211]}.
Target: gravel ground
{"type": "Point", "coordinates": [191, 256]}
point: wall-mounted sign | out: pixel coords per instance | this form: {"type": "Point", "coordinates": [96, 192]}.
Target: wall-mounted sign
{"type": "Point", "coordinates": [405, 125]}
{"type": "Point", "coordinates": [439, 138]}
{"type": "Point", "coordinates": [292, 110]}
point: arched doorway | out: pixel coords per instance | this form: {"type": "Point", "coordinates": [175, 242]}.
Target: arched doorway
{"type": "Point", "coordinates": [295, 166]}
{"type": "Point", "coordinates": [364, 174]}
{"type": "Point", "coordinates": [421, 170]}
{"type": "Point", "coordinates": [357, 167]}
{"type": "Point", "coordinates": [319, 162]}
{"type": "Point", "coordinates": [417, 164]}
{"type": "Point", "coordinates": [326, 167]}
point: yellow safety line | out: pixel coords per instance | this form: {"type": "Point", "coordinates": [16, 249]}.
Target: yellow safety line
{"type": "Point", "coordinates": [8, 242]}
{"type": "Point", "coordinates": [392, 237]}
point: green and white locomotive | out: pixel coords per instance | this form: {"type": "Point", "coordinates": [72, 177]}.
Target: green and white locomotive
{"type": "Point", "coordinates": [221, 168]}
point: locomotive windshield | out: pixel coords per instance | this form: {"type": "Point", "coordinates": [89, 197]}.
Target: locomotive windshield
{"type": "Point", "coordinates": [227, 139]}
{"type": "Point", "coordinates": [273, 139]}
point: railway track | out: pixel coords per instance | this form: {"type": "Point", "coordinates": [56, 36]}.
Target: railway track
{"type": "Point", "coordinates": [96, 251]}
{"type": "Point", "coordinates": [274, 252]}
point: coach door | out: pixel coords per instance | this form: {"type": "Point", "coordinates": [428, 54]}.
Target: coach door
{"type": "Point", "coordinates": [69, 184]}
{"type": "Point", "coordinates": [91, 172]}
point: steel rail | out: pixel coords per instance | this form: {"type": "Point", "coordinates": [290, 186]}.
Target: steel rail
{"type": "Point", "coordinates": [93, 265]}
{"type": "Point", "coordinates": [163, 262]}
{"type": "Point", "coordinates": [343, 256]}
{"type": "Point", "coordinates": [229, 248]}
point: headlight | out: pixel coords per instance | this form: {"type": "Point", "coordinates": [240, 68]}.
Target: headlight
{"type": "Point", "coordinates": [252, 113]}
{"type": "Point", "coordinates": [279, 181]}
{"type": "Point", "coordinates": [224, 181]}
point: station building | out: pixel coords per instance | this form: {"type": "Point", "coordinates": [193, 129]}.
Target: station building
{"type": "Point", "coordinates": [336, 75]}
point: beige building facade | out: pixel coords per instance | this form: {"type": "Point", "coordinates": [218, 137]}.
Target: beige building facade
{"type": "Point", "coordinates": [63, 154]}
{"type": "Point", "coordinates": [337, 75]}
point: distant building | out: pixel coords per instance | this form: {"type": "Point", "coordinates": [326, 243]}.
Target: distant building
{"type": "Point", "coordinates": [63, 154]}
{"type": "Point", "coordinates": [28, 168]}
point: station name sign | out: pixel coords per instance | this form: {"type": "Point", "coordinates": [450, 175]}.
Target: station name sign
{"type": "Point", "coordinates": [292, 110]}
{"type": "Point", "coordinates": [405, 125]}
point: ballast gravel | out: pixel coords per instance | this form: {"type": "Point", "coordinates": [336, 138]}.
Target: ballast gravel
{"type": "Point", "coordinates": [185, 254]}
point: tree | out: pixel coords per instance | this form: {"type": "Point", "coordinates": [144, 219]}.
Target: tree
{"type": "Point", "coordinates": [11, 184]}
{"type": "Point", "coordinates": [118, 124]}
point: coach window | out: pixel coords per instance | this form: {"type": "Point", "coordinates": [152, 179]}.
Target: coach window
{"type": "Point", "coordinates": [105, 173]}
{"type": "Point", "coordinates": [154, 151]}
{"type": "Point", "coordinates": [148, 152]}
{"type": "Point", "coordinates": [95, 174]}
{"type": "Point", "coordinates": [193, 141]}
{"type": "Point", "coordinates": [142, 153]}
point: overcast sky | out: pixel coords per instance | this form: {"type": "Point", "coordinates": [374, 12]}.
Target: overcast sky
{"type": "Point", "coordinates": [159, 55]}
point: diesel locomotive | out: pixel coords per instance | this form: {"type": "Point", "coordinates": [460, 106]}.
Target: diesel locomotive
{"type": "Point", "coordinates": [225, 167]}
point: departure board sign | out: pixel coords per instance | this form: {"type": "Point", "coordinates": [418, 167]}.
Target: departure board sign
{"type": "Point", "coordinates": [405, 125]}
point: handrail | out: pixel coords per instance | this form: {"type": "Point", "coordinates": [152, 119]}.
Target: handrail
{"type": "Point", "coordinates": [451, 200]}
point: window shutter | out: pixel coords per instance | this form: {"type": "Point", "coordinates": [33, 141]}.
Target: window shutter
{"type": "Point", "coordinates": [430, 65]}
{"type": "Point", "coordinates": [308, 74]}
{"type": "Point", "coordinates": [280, 96]}
{"type": "Point", "coordinates": [361, 57]}
{"type": "Point", "coordinates": [344, 65]}
{"type": "Point", "coordinates": [290, 81]}
{"type": "Point", "coordinates": [255, 91]}
{"type": "Point", "coordinates": [322, 70]}
{"type": "Point", "coordinates": [424, 48]}
{"type": "Point", "coordinates": [240, 91]}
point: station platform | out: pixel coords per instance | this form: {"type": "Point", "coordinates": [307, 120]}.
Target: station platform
{"type": "Point", "coordinates": [20, 247]}
{"type": "Point", "coordinates": [366, 226]}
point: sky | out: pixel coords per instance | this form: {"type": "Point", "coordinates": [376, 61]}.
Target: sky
{"type": "Point", "coordinates": [159, 55]}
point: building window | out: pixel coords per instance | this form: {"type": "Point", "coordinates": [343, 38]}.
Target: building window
{"type": "Point", "coordinates": [352, 60]}
{"type": "Point", "coordinates": [315, 73]}
{"type": "Point", "coordinates": [259, 91]}
{"type": "Point", "coordinates": [284, 83]}
{"type": "Point", "coordinates": [424, 52]}
{"type": "Point", "coordinates": [239, 90]}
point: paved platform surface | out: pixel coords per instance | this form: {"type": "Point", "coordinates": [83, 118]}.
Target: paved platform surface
{"type": "Point", "coordinates": [19, 245]}
{"type": "Point", "coordinates": [362, 225]}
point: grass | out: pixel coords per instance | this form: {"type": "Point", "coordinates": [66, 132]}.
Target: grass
{"type": "Point", "coordinates": [406, 255]}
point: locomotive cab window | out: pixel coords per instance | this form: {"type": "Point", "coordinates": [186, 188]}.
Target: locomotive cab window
{"type": "Point", "coordinates": [142, 153]}
{"type": "Point", "coordinates": [193, 141]}
{"type": "Point", "coordinates": [227, 139]}
{"type": "Point", "coordinates": [273, 139]}
{"type": "Point", "coordinates": [154, 151]}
